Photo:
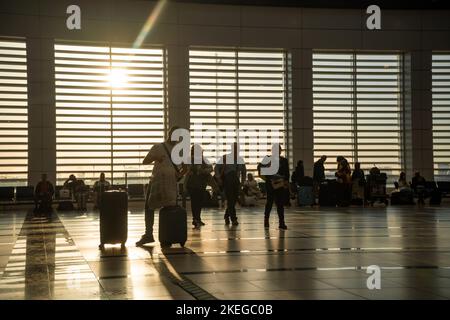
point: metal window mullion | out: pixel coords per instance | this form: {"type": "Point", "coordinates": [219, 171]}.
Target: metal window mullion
{"type": "Point", "coordinates": [355, 108]}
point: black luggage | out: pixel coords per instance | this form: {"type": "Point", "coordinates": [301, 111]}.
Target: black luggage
{"type": "Point", "coordinates": [305, 182]}
{"type": "Point", "coordinates": [65, 205]}
{"type": "Point", "coordinates": [435, 198]}
{"type": "Point", "coordinates": [305, 196]}
{"type": "Point", "coordinates": [344, 194]}
{"type": "Point", "coordinates": [114, 218]}
{"type": "Point", "coordinates": [172, 226]}
{"type": "Point", "coordinates": [208, 201]}
{"type": "Point", "coordinates": [328, 193]}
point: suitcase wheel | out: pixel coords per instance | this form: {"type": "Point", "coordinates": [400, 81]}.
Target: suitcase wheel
{"type": "Point", "coordinates": [182, 244]}
{"type": "Point", "coordinates": [165, 244]}
{"type": "Point", "coordinates": [101, 246]}
{"type": "Point", "coordinates": [122, 245]}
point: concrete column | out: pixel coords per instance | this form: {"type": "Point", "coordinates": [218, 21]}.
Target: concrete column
{"type": "Point", "coordinates": [178, 85]}
{"type": "Point", "coordinates": [418, 114]}
{"type": "Point", "coordinates": [302, 108]}
{"type": "Point", "coordinates": [41, 109]}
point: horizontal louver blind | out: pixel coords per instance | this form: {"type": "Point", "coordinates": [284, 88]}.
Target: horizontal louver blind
{"type": "Point", "coordinates": [441, 115]}
{"type": "Point", "coordinates": [13, 113]}
{"type": "Point", "coordinates": [109, 110]}
{"type": "Point", "coordinates": [357, 109]}
{"type": "Point", "coordinates": [237, 89]}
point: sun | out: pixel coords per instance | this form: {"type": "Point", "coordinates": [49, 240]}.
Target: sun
{"type": "Point", "coordinates": [118, 78]}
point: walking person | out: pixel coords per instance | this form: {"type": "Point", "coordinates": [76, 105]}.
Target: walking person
{"type": "Point", "coordinates": [162, 189]}
{"type": "Point", "coordinates": [198, 176]}
{"type": "Point", "coordinates": [230, 171]}
{"type": "Point", "coordinates": [276, 186]}
{"type": "Point", "coordinates": [297, 176]}
{"type": "Point", "coordinates": [318, 175]}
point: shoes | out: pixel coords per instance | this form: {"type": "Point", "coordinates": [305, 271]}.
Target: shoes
{"type": "Point", "coordinates": [235, 222]}
{"type": "Point", "coordinates": [266, 223]}
{"type": "Point", "coordinates": [282, 226]}
{"type": "Point", "coordinates": [144, 240]}
{"type": "Point", "coordinates": [198, 223]}
{"type": "Point", "coordinates": [227, 219]}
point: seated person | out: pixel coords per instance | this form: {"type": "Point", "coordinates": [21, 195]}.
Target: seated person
{"type": "Point", "coordinates": [251, 187]}
{"type": "Point", "coordinates": [70, 184]}
{"type": "Point", "coordinates": [343, 175]}
{"type": "Point", "coordinates": [81, 194]}
{"type": "Point", "coordinates": [100, 186]}
{"type": "Point", "coordinates": [43, 194]}
{"type": "Point", "coordinates": [402, 183]}
{"type": "Point", "coordinates": [78, 191]}
{"type": "Point", "coordinates": [358, 182]}
{"type": "Point", "coordinates": [418, 185]}
{"type": "Point", "coordinates": [402, 194]}
{"type": "Point", "coordinates": [297, 175]}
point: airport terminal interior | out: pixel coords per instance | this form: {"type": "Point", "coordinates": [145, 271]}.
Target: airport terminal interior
{"type": "Point", "coordinates": [90, 87]}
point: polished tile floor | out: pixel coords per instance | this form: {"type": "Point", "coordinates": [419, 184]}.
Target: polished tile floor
{"type": "Point", "coordinates": [323, 255]}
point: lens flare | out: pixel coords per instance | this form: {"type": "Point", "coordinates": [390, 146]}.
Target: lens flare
{"type": "Point", "coordinates": [148, 25]}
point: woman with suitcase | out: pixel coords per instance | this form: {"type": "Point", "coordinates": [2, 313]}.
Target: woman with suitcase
{"type": "Point", "coordinates": [162, 190]}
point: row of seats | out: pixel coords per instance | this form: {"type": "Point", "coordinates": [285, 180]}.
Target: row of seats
{"type": "Point", "coordinates": [442, 186]}
{"type": "Point", "coordinates": [137, 191]}
{"type": "Point", "coordinates": [24, 194]}
{"type": "Point", "coordinates": [17, 194]}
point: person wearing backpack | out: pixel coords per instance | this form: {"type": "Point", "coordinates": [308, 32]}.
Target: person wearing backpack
{"type": "Point", "coordinates": [230, 172]}
{"type": "Point", "coordinates": [197, 178]}
{"type": "Point", "coordinates": [276, 185]}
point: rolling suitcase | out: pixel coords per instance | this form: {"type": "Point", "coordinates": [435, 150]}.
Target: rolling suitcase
{"type": "Point", "coordinates": [344, 195]}
{"type": "Point", "coordinates": [172, 226]}
{"type": "Point", "coordinates": [328, 193]}
{"type": "Point", "coordinates": [305, 196]}
{"type": "Point", "coordinates": [65, 205]}
{"type": "Point", "coordinates": [435, 198]}
{"type": "Point", "coordinates": [114, 218]}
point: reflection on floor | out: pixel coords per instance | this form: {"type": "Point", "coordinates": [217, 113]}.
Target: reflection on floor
{"type": "Point", "coordinates": [323, 255]}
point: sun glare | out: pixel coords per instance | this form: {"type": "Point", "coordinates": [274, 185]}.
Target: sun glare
{"type": "Point", "coordinates": [118, 78]}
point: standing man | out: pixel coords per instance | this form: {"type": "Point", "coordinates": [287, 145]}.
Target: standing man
{"type": "Point", "coordinates": [230, 171]}
{"type": "Point", "coordinates": [318, 175]}
{"type": "Point", "coordinates": [162, 188]}
{"type": "Point", "coordinates": [276, 185]}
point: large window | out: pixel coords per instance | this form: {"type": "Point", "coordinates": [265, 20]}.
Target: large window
{"type": "Point", "coordinates": [357, 109]}
{"type": "Point", "coordinates": [109, 110]}
{"type": "Point", "coordinates": [238, 90]}
{"type": "Point", "coordinates": [441, 115]}
{"type": "Point", "coordinates": [13, 113]}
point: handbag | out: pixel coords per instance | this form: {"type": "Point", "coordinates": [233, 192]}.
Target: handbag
{"type": "Point", "coordinates": [279, 183]}
{"type": "Point", "coordinates": [179, 175]}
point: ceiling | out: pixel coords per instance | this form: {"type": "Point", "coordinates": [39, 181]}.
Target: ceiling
{"type": "Point", "coordinates": [354, 4]}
